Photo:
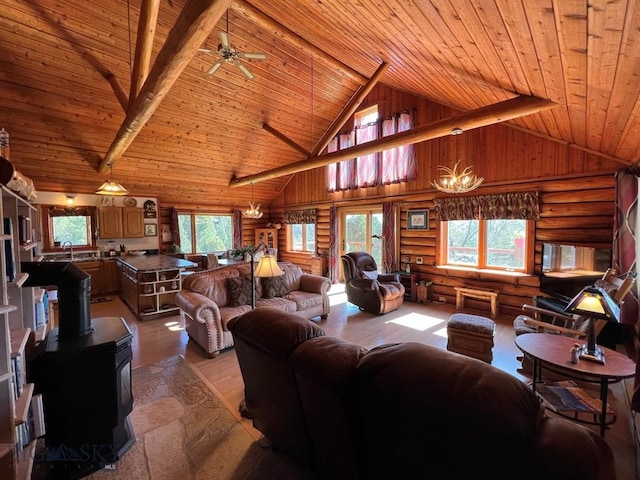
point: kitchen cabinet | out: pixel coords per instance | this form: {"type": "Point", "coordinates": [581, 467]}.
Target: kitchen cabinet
{"type": "Point", "coordinates": [110, 276]}
{"type": "Point", "coordinates": [95, 270]}
{"type": "Point", "coordinates": [132, 222]}
{"type": "Point", "coordinates": [121, 222]}
{"type": "Point", "coordinates": [110, 222]}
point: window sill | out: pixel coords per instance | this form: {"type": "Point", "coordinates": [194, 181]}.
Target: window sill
{"type": "Point", "coordinates": [506, 273]}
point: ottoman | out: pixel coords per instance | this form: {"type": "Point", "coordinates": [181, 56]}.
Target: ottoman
{"type": "Point", "coordinates": [471, 335]}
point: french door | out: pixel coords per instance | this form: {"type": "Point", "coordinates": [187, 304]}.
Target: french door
{"type": "Point", "coordinates": [361, 231]}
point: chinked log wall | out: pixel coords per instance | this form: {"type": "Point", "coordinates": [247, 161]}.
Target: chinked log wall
{"type": "Point", "coordinates": [578, 210]}
{"type": "Point", "coordinates": [576, 197]}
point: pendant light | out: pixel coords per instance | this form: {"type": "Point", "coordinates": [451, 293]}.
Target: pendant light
{"type": "Point", "coordinates": [253, 211]}
{"type": "Point", "coordinates": [452, 181]}
{"type": "Point", "coordinates": [111, 187]}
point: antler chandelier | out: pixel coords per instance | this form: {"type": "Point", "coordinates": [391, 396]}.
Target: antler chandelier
{"type": "Point", "coordinates": [253, 211]}
{"type": "Point", "coordinates": [453, 181]}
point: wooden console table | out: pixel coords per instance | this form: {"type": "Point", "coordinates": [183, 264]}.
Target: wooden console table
{"type": "Point", "coordinates": [479, 294]}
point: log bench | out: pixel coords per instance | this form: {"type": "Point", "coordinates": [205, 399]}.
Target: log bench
{"type": "Point", "coordinates": [478, 294]}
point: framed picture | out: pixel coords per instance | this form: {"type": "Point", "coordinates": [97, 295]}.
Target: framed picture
{"type": "Point", "coordinates": [150, 229]}
{"type": "Point", "coordinates": [418, 220]}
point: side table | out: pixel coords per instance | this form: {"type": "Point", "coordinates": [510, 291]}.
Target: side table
{"type": "Point", "coordinates": [409, 281]}
{"type": "Point", "coordinates": [551, 352]}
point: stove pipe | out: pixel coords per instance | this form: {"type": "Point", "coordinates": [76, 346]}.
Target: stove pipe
{"type": "Point", "coordinates": [74, 294]}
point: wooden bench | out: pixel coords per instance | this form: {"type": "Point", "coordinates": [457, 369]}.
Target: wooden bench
{"type": "Point", "coordinates": [478, 294]}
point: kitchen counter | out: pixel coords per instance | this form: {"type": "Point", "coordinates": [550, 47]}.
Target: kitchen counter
{"type": "Point", "coordinates": [155, 263]}
{"type": "Point", "coordinates": [149, 283]}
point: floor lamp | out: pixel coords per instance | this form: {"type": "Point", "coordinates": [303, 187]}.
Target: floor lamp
{"type": "Point", "coordinates": [594, 303]}
{"type": "Point", "coordinates": [267, 267]}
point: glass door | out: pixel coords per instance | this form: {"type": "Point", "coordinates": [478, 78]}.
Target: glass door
{"type": "Point", "coordinates": [361, 231]}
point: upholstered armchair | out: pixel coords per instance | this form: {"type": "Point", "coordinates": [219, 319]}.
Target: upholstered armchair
{"type": "Point", "coordinates": [371, 291]}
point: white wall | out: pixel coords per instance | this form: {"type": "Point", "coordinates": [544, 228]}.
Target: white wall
{"type": "Point", "coordinates": [81, 200]}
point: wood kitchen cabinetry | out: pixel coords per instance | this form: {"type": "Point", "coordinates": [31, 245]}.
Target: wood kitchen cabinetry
{"type": "Point", "coordinates": [95, 270]}
{"type": "Point", "coordinates": [110, 277]}
{"type": "Point", "coordinates": [121, 222]}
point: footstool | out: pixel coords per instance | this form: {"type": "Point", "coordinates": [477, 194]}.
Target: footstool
{"type": "Point", "coordinates": [471, 335]}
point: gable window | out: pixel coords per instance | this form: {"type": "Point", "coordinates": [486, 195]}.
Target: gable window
{"type": "Point", "coordinates": [390, 166]}
{"type": "Point", "coordinates": [205, 232]}
{"type": "Point", "coordinates": [494, 232]}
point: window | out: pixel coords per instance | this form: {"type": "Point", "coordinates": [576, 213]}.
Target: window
{"type": "Point", "coordinates": [69, 224]}
{"type": "Point", "coordinates": [205, 232]}
{"type": "Point", "coordinates": [487, 244]}
{"type": "Point", "coordinates": [390, 166]}
{"type": "Point", "coordinates": [302, 237]}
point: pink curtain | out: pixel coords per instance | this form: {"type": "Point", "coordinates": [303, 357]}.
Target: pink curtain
{"type": "Point", "coordinates": [389, 212]}
{"type": "Point", "coordinates": [347, 168]}
{"type": "Point", "coordinates": [332, 169]}
{"type": "Point", "coordinates": [334, 251]}
{"type": "Point", "coordinates": [398, 164]}
{"type": "Point", "coordinates": [366, 165]}
{"type": "Point", "coordinates": [624, 259]}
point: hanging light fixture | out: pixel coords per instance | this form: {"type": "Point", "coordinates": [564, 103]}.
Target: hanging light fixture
{"type": "Point", "coordinates": [253, 211]}
{"type": "Point", "coordinates": [452, 181]}
{"type": "Point", "coordinates": [111, 187]}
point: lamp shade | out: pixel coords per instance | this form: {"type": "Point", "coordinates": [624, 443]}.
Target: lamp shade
{"type": "Point", "coordinates": [594, 302]}
{"type": "Point", "coordinates": [268, 267]}
{"type": "Point", "coordinates": [111, 188]}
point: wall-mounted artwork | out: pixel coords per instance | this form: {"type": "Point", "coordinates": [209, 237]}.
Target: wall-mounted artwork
{"type": "Point", "coordinates": [418, 220]}
{"type": "Point", "coordinates": [150, 229]}
{"type": "Point", "coordinates": [150, 209]}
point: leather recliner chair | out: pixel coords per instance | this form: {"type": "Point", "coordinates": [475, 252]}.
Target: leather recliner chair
{"type": "Point", "coordinates": [374, 292]}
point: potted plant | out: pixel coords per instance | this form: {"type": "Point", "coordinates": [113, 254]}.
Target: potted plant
{"type": "Point", "coordinates": [243, 252]}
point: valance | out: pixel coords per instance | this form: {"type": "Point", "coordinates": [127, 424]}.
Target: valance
{"type": "Point", "coordinates": [300, 216]}
{"type": "Point", "coordinates": [55, 211]}
{"type": "Point", "coordinates": [516, 205]}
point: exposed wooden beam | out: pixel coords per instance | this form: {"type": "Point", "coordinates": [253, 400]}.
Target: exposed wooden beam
{"type": "Point", "coordinates": [281, 136]}
{"type": "Point", "coordinates": [121, 95]}
{"type": "Point", "coordinates": [193, 26]}
{"type": "Point", "coordinates": [349, 109]}
{"type": "Point", "coordinates": [481, 117]}
{"type": "Point", "coordinates": [144, 45]}
{"type": "Point", "coordinates": [277, 30]}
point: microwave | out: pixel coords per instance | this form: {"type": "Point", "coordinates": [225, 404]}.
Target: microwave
{"type": "Point", "coordinates": [24, 230]}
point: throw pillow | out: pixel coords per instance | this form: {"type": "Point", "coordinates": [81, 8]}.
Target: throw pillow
{"type": "Point", "coordinates": [239, 290]}
{"type": "Point", "coordinates": [274, 286]}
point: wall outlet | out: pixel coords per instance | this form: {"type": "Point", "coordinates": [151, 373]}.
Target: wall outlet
{"type": "Point", "coordinates": [442, 299]}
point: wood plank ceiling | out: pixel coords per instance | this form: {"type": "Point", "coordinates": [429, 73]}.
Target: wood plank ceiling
{"type": "Point", "coordinates": [60, 60]}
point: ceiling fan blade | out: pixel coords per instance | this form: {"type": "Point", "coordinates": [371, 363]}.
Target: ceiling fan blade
{"type": "Point", "coordinates": [205, 50]}
{"type": "Point", "coordinates": [215, 67]}
{"type": "Point", "coordinates": [245, 70]}
{"type": "Point", "coordinates": [253, 55]}
{"type": "Point", "coordinates": [224, 39]}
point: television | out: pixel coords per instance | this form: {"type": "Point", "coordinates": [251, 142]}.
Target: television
{"type": "Point", "coordinates": [568, 268]}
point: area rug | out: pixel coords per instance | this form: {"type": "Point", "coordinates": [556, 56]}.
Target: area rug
{"type": "Point", "coordinates": [101, 299]}
{"type": "Point", "coordinates": [183, 431]}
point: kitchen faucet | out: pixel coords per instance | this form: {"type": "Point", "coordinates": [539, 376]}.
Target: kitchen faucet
{"type": "Point", "coordinates": [64, 247]}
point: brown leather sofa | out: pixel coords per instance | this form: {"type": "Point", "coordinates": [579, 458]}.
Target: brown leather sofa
{"type": "Point", "coordinates": [374, 292]}
{"type": "Point", "coordinates": [401, 411]}
{"type": "Point", "coordinates": [207, 301]}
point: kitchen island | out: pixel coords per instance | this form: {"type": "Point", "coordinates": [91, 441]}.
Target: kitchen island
{"type": "Point", "coordinates": [150, 282]}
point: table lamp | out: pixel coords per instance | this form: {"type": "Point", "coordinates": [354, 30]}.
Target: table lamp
{"type": "Point", "coordinates": [594, 303]}
{"type": "Point", "coordinates": [267, 267]}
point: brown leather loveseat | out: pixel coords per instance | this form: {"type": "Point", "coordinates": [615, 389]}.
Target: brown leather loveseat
{"type": "Point", "coordinates": [401, 411]}
{"type": "Point", "coordinates": [209, 299]}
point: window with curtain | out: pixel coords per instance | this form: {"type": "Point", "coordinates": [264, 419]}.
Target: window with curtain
{"type": "Point", "coordinates": [390, 166]}
{"type": "Point", "coordinates": [493, 232]}
{"type": "Point", "coordinates": [301, 230]}
{"type": "Point", "coordinates": [70, 224]}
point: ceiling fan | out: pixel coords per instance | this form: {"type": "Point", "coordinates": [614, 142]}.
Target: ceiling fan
{"type": "Point", "coordinates": [229, 54]}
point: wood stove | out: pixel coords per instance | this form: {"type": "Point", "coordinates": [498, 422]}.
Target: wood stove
{"type": "Point", "coordinates": [83, 371]}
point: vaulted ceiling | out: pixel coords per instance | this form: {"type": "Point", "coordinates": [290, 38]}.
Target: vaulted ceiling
{"type": "Point", "coordinates": [66, 69]}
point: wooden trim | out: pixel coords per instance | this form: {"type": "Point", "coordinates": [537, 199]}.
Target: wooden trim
{"type": "Point", "coordinates": [144, 45]}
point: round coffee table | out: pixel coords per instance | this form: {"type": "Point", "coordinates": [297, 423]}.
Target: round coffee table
{"type": "Point", "coordinates": [552, 352]}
